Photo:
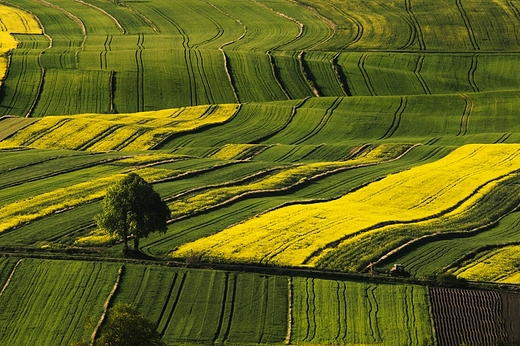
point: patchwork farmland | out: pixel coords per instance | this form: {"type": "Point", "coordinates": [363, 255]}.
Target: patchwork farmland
{"type": "Point", "coordinates": [303, 148]}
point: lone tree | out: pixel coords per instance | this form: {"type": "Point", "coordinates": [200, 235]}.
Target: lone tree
{"type": "Point", "coordinates": [127, 326]}
{"type": "Point", "coordinates": [132, 209]}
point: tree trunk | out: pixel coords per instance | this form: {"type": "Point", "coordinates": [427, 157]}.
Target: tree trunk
{"type": "Point", "coordinates": [136, 244]}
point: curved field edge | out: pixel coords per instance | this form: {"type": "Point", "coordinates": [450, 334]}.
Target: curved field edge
{"type": "Point", "coordinates": [293, 235]}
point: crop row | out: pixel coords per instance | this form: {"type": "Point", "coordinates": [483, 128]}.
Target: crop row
{"type": "Point", "coordinates": [471, 317]}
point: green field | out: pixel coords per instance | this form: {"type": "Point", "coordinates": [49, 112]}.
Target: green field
{"type": "Point", "coordinates": [315, 137]}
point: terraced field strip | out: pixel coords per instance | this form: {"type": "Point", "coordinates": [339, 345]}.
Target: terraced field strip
{"type": "Point", "coordinates": [138, 131]}
{"type": "Point", "coordinates": [441, 254]}
{"type": "Point", "coordinates": [497, 265]}
{"type": "Point", "coordinates": [341, 312]}
{"type": "Point", "coordinates": [273, 181]}
{"type": "Point", "coordinates": [469, 316]}
{"type": "Point", "coordinates": [57, 298]}
{"type": "Point", "coordinates": [40, 205]}
{"type": "Point", "coordinates": [327, 188]}
{"type": "Point", "coordinates": [311, 231]}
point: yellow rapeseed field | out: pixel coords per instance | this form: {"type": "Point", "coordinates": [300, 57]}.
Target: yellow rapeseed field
{"type": "Point", "coordinates": [290, 235]}
{"type": "Point", "coordinates": [30, 209]}
{"type": "Point", "coordinates": [281, 178]}
{"type": "Point", "coordinates": [13, 21]}
{"type": "Point", "coordinates": [103, 132]}
{"type": "Point", "coordinates": [500, 265]}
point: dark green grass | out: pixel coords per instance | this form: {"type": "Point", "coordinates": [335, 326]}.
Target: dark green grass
{"type": "Point", "coordinates": [208, 306]}
{"type": "Point", "coordinates": [54, 302]}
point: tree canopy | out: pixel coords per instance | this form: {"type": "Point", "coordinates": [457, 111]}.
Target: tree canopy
{"type": "Point", "coordinates": [127, 326]}
{"type": "Point", "coordinates": [133, 209]}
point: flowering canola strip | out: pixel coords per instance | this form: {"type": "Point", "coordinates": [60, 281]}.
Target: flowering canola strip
{"type": "Point", "coordinates": [293, 234]}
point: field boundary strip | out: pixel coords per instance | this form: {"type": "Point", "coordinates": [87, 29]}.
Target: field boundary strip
{"type": "Point", "coordinates": [106, 305]}
{"type": "Point", "coordinates": [10, 277]}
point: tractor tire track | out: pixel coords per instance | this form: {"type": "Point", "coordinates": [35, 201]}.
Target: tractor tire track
{"type": "Point", "coordinates": [342, 81]}
{"type": "Point", "coordinates": [76, 19]}
{"type": "Point", "coordinates": [471, 73]}
{"type": "Point", "coordinates": [503, 138]}
{"type": "Point", "coordinates": [323, 122]}
{"type": "Point", "coordinates": [416, 26]}
{"type": "Point", "coordinates": [361, 65]}
{"type": "Point", "coordinates": [42, 69]}
{"type": "Point", "coordinates": [146, 20]}
{"type": "Point", "coordinates": [360, 30]}
{"type": "Point", "coordinates": [466, 113]}
{"type": "Point", "coordinates": [232, 309]}
{"type": "Point", "coordinates": [307, 73]}
{"type": "Point", "coordinates": [284, 126]}
{"type": "Point", "coordinates": [418, 68]}
{"type": "Point", "coordinates": [397, 119]}
{"type": "Point", "coordinates": [467, 23]}
{"type": "Point", "coordinates": [176, 301]}
{"type": "Point", "coordinates": [139, 62]}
